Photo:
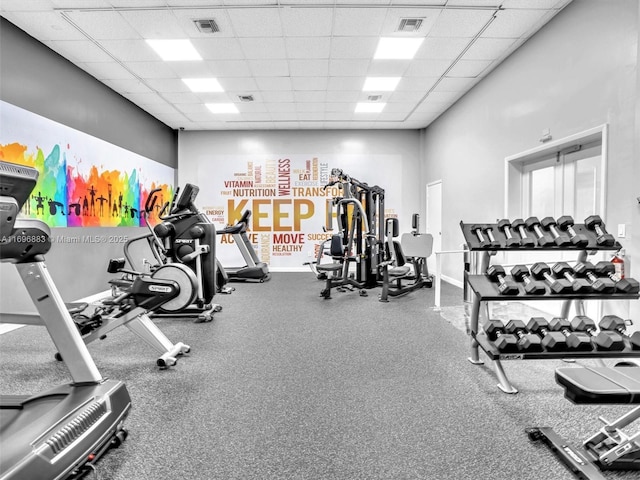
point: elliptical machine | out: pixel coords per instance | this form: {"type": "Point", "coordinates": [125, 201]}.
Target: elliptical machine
{"type": "Point", "coordinates": [183, 246]}
{"type": "Point", "coordinates": [60, 433]}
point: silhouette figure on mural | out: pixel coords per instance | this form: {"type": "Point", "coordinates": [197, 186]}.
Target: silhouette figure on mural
{"type": "Point", "coordinates": [102, 199]}
{"type": "Point", "coordinates": [85, 207]}
{"type": "Point", "coordinates": [39, 204]}
{"type": "Point", "coordinates": [114, 210]}
{"type": "Point", "coordinates": [92, 210]}
{"type": "Point", "coordinates": [53, 207]}
{"type": "Point", "coordinates": [120, 203]}
{"type": "Point", "coordinates": [75, 208]}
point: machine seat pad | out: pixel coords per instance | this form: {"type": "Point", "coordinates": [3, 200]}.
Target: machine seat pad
{"type": "Point", "coordinates": [399, 271]}
{"type": "Point", "coordinates": [600, 384]}
{"type": "Point", "coordinates": [329, 267]}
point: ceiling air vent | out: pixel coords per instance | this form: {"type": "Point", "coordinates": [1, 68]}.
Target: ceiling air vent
{"type": "Point", "coordinates": [374, 98]}
{"type": "Point", "coordinates": [246, 98]}
{"type": "Point", "coordinates": [409, 24]}
{"type": "Point", "coordinates": [207, 26]}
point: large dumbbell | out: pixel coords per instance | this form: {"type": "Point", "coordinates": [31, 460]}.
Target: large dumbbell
{"type": "Point", "coordinates": [521, 274]}
{"type": "Point", "coordinates": [563, 270]}
{"type": "Point", "coordinates": [578, 239]}
{"type": "Point", "coordinates": [560, 239]}
{"type": "Point", "coordinates": [533, 224]}
{"type": "Point", "coordinates": [578, 341]}
{"type": "Point", "coordinates": [595, 223]}
{"type": "Point", "coordinates": [477, 231]}
{"type": "Point", "coordinates": [497, 274]}
{"type": "Point", "coordinates": [505, 226]}
{"type": "Point", "coordinates": [600, 285]}
{"type": "Point", "coordinates": [551, 341]}
{"type": "Point", "coordinates": [625, 285]}
{"type": "Point", "coordinates": [604, 340]}
{"type": "Point", "coordinates": [504, 342]}
{"type": "Point", "coordinates": [493, 243]}
{"type": "Point", "coordinates": [541, 271]}
{"type": "Point", "coordinates": [519, 226]}
{"type": "Point", "coordinates": [527, 342]}
{"type": "Point", "coordinates": [616, 324]}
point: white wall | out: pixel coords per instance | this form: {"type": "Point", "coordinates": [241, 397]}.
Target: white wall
{"type": "Point", "coordinates": [578, 72]}
{"type": "Point", "coordinates": [197, 147]}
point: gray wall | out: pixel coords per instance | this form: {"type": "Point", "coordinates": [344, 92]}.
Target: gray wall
{"type": "Point", "coordinates": [578, 72]}
{"type": "Point", "coordinates": [35, 78]}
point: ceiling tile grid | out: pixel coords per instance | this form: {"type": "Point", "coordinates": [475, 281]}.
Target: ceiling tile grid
{"type": "Point", "coordinates": [303, 63]}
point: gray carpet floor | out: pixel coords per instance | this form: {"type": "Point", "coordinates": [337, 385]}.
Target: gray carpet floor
{"type": "Point", "coordinates": [284, 384]}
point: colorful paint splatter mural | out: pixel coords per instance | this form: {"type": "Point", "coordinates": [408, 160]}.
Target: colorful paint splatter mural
{"type": "Point", "coordinates": [84, 181]}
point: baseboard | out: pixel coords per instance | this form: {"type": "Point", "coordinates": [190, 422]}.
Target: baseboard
{"type": "Point", "coordinates": [452, 281]}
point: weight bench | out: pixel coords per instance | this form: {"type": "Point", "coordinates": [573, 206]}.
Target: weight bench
{"type": "Point", "coordinates": [610, 448]}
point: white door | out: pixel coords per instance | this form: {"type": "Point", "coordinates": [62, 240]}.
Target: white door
{"type": "Point", "coordinates": [434, 221]}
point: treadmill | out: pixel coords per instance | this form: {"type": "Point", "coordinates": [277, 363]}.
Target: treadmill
{"type": "Point", "coordinates": [60, 433]}
{"type": "Point", "coordinates": [255, 269]}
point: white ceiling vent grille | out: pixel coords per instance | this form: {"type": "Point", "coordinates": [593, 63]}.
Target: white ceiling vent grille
{"type": "Point", "coordinates": [374, 98]}
{"type": "Point", "coordinates": [246, 98]}
{"type": "Point", "coordinates": [409, 24]}
{"type": "Point", "coordinates": [207, 26]}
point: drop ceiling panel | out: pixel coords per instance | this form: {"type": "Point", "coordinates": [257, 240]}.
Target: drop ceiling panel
{"type": "Point", "coordinates": [309, 68]}
{"type": "Point", "coordinates": [353, 47]}
{"type": "Point", "coordinates": [154, 24]}
{"type": "Point", "coordinates": [50, 25]}
{"type": "Point", "coordinates": [218, 48]}
{"type": "Point", "coordinates": [255, 22]}
{"type": "Point", "coordinates": [488, 48]}
{"type": "Point", "coordinates": [306, 22]}
{"type": "Point", "coordinates": [103, 25]}
{"type": "Point", "coordinates": [358, 22]}
{"type": "Point", "coordinates": [460, 23]}
{"type": "Point", "coordinates": [264, 47]}
{"type": "Point", "coordinates": [308, 47]}
{"type": "Point", "coordinates": [514, 23]}
{"type": "Point", "coordinates": [304, 61]}
{"type": "Point", "coordinates": [80, 51]}
{"type": "Point", "coordinates": [348, 67]}
{"type": "Point", "coordinates": [269, 68]}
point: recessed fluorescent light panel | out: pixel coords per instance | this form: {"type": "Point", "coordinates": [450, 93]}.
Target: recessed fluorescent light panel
{"type": "Point", "coordinates": [203, 84]}
{"type": "Point", "coordinates": [222, 107]}
{"type": "Point", "coordinates": [380, 84]}
{"type": "Point", "coordinates": [364, 107]}
{"type": "Point", "coordinates": [397, 48]}
{"type": "Point", "coordinates": [175, 50]}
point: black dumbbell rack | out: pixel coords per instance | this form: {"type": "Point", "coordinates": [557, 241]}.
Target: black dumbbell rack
{"type": "Point", "coordinates": [484, 291]}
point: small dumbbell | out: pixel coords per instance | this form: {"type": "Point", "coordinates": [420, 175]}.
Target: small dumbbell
{"type": "Point", "coordinates": [563, 270]}
{"type": "Point", "coordinates": [600, 285]}
{"type": "Point", "coordinates": [550, 224]}
{"type": "Point", "coordinates": [525, 240]}
{"type": "Point", "coordinates": [503, 341]}
{"type": "Point", "coordinates": [493, 243]}
{"type": "Point", "coordinates": [533, 224]}
{"type": "Point", "coordinates": [497, 274]}
{"type": "Point", "coordinates": [578, 341]}
{"type": "Point", "coordinates": [477, 231]}
{"type": "Point", "coordinates": [521, 274]}
{"type": "Point", "coordinates": [617, 324]}
{"type": "Point", "coordinates": [625, 285]}
{"type": "Point", "coordinates": [603, 340]}
{"type": "Point", "coordinates": [541, 271]}
{"type": "Point", "coordinates": [527, 342]}
{"type": "Point", "coordinates": [505, 226]}
{"type": "Point", "coordinates": [578, 239]}
{"type": "Point", "coordinates": [595, 223]}
{"type": "Point", "coordinates": [551, 341]}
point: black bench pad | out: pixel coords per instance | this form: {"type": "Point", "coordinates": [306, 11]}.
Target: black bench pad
{"type": "Point", "coordinates": [600, 384]}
